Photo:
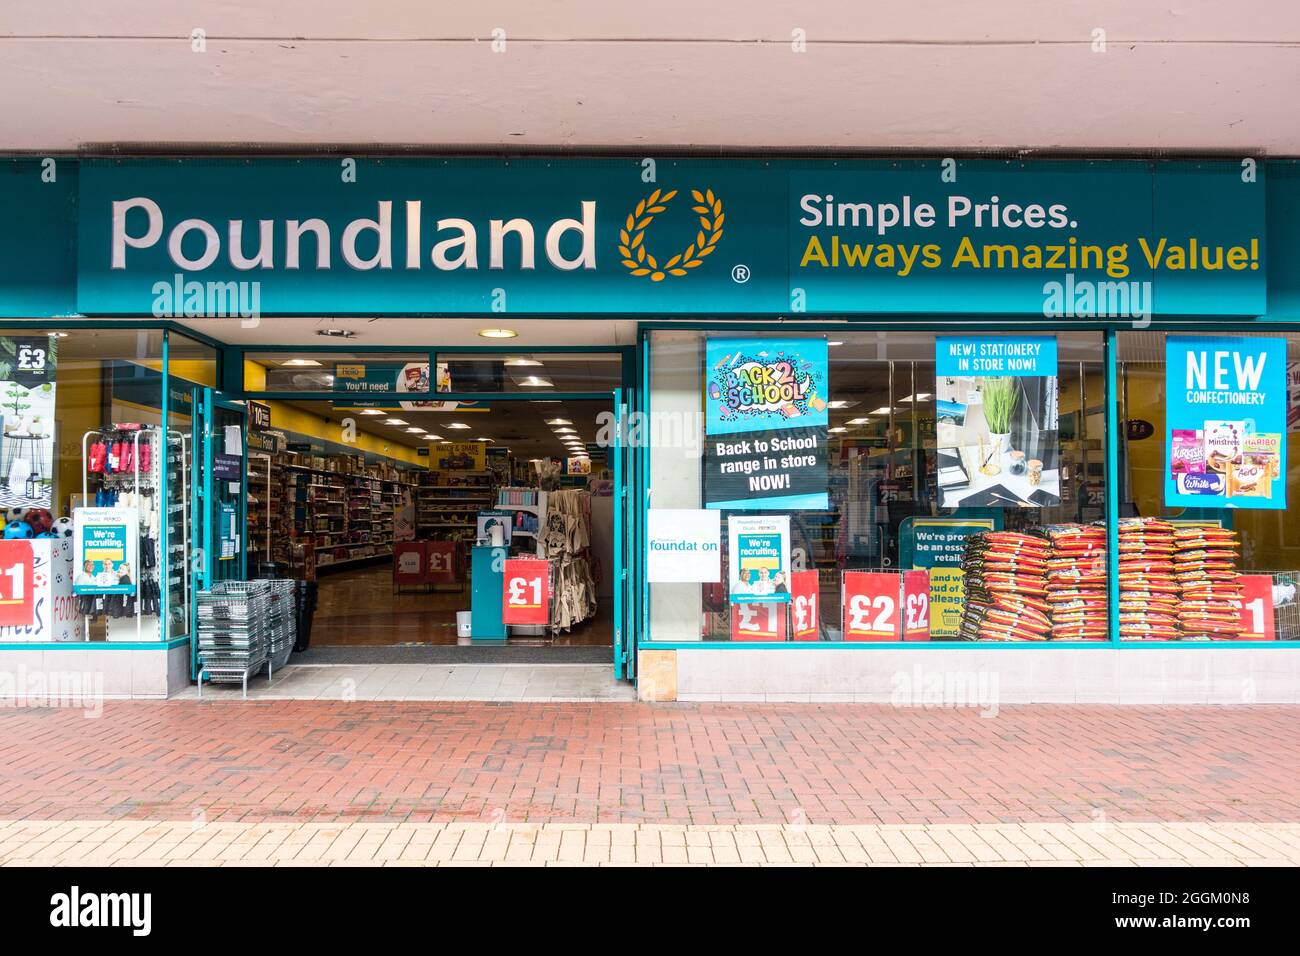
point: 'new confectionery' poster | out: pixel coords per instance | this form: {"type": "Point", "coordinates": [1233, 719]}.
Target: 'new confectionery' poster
{"type": "Point", "coordinates": [1225, 422]}
{"type": "Point", "coordinates": [766, 404]}
{"type": "Point", "coordinates": [996, 421]}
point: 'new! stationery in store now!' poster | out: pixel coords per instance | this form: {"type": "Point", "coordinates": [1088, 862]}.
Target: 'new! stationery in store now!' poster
{"type": "Point", "coordinates": [766, 404]}
{"type": "Point", "coordinates": [1225, 422]}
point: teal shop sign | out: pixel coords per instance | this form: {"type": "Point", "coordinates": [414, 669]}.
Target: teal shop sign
{"type": "Point", "coordinates": [1049, 239]}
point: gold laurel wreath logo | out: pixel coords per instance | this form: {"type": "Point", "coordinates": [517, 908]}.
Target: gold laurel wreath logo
{"type": "Point", "coordinates": [631, 237]}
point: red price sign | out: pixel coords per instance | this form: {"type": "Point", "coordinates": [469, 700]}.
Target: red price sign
{"type": "Point", "coordinates": [17, 584]}
{"type": "Point", "coordinates": [1257, 608]}
{"type": "Point", "coordinates": [408, 562]}
{"type": "Point", "coordinates": [442, 562]}
{"type": "Point", "coordinates": [758, 622]}
{"type": "Point", "coordinates": [870, 608]}
{"type": "Point", "coordinates": [916, 605]}
{"type": "Point", "coordinates": [525, 594]}
{"type": "Point", "coordinates": [805, 606]}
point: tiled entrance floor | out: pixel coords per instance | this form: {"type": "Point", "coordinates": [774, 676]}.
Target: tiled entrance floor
{"type": "Point", "coordinates": [480, 682]}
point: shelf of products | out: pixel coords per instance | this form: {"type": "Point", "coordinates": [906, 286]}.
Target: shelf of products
{"type": "Point", "coordinates": [315, 511]}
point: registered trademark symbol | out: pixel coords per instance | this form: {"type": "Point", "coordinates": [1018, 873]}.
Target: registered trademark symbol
{"type": "Point", "coordinates": [740, 273]}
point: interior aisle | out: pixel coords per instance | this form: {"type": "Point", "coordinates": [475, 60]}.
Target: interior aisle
{"type": "Point", "coordinates": [358, 607]}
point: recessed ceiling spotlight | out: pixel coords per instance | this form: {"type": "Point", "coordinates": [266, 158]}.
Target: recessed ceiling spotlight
{"type": "Point", "coordinates": [395, 421]}
{"type": "Point", "coordinates": [371, 411]}
{"type": "Point", "coordinates": [432, 437]}
{"type": "Point", "coordinates": [566, 431]}
{"type": "Point", "coordinates": [497, 333]}
{"type": "Point", "coordinates": [301, 363]}
{"type": "Point", "coordinates": [457, 425]}
{"type": "Point", "coordinates": [558, 421]}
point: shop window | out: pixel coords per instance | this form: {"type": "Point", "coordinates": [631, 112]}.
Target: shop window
{"type": "Point", "coordinates": [1209, 537]}
{"type": "Point", "coordinates": [81, 446]}
{"type": "Point", "coordinates": [908, 501]}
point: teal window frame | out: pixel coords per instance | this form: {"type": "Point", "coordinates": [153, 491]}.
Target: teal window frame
{"type": "Point", "coordinates": [1110, 338]}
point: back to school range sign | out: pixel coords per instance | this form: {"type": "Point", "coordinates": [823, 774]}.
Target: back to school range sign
{"type": "Point", "coordinates": [766, 404]}
{"type": "Point", "coordinates": [1225, 422]}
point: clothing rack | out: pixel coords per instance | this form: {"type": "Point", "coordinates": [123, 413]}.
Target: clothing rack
{"type": "Point", "coordinates": [151, 486]}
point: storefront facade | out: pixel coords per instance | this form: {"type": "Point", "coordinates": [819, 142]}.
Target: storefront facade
{"type": "Point", "coordinates": [880, 422]}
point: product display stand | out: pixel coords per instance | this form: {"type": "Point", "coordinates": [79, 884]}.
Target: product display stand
{"type": "Point", "coordinates": [141, 489]}
{"type": "Point", "coordinates": [565, 542]}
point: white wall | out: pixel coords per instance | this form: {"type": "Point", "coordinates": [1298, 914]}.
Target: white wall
{"type": "Point", "coordinates": [927, 74]}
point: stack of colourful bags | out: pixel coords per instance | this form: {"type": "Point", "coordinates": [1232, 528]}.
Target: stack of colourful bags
{"type": "Point", "coordinates": [1076, 582]}
{"type": "Point", "coordinates": [1148, 589]}
{"type": "Point", "coordinates": [1205, 566]}
{"type": "Point", "coordinates": [1006, 587]}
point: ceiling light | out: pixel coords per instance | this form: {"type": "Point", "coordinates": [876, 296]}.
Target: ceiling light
{"type": "Point", "coordinates": [566, 431]}
{"type": "Point", "coordinates": [558, 421]}
{"type": "Point", "coordinates": [301, 363]}
{"type": "Point", "coordinates": [497, 333]}
{"type": "Point", "coordinates": [834, 343]}
{"type": "Point", "coordinates": [522, 363]}
{"type": "Point", "coordinates": [841, 403]}
{"type": "Point", "coordinates": [836, 431]}
{"type": "Point", "coordinates": [415, 431]}
{"type": "Point", "coordinates": [457, 425]}
{"type": "Point", "coordinates": [371, 411]}
{"type": "Point", "coordinates": [536, 381]}
{"type": "Point", "coordinates": [919, 397]}
{"type": "Point", "coordinates": [485, 439]}
{"type": "Point", "coordinates": [395, 421]}
{"type": "Point", "coordinates": [432, 437]}
{"type": "Point", "coordinates": [883, 410]}
{"type": "Point", "coordinates": [858, 421]}
{"type": "Point", "coordinates": [58, 335]}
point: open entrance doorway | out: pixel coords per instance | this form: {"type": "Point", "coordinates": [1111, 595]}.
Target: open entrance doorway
{"type": "Point", "coordinates": [388, 524]}
{"type": "Point", "coordinates": [402, 517]}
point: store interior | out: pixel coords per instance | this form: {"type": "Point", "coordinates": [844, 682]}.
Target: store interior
{"type": "Point", "coordinates": [340, 492]}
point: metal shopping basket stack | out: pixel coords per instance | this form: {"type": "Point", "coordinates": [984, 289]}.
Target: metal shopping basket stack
{"type": "Point", "coordinates": [283, 622]}
{"type": "Point", "coordinates": [233, 634]}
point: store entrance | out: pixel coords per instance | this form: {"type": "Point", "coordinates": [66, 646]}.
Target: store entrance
{"type": "Point", "coordinates": [402, 521]}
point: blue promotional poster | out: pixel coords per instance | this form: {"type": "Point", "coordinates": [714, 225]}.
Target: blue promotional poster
{"type": "Point", "coordinates": [766, 416]}
{"type": "Point", "coordinates": [1225, 422]}
{"type": "Point", "coordinates": [996, 421]}
{"type": "Point", "coordinates": [758, 550]}
{"type": "Point", "coordinates": [104, 542]}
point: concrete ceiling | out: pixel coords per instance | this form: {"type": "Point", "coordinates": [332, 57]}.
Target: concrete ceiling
{"type": "Point", "coordinates": [933, 75]}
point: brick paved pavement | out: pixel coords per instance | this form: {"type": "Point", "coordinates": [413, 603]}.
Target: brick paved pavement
{"type": "Point", "coordinates": [632, 763]}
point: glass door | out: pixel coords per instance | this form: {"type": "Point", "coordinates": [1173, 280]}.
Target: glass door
{"type": "Point", "coordinates": [626, 523]}
{"type": "Point", "coordinates": [218, 503]}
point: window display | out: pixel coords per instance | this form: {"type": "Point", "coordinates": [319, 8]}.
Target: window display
{"type": "Point", "coordinates": [976, 461]}
{"type": "Point", "coordinates": [1207, 550]}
